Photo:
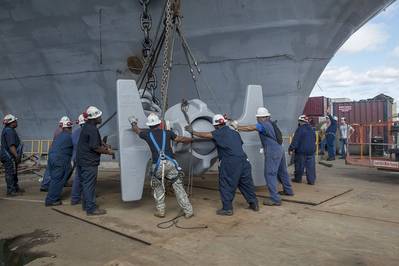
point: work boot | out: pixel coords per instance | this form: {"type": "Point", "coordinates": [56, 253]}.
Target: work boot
{"type": "Point", "coordinates": [52, 204]}
{"type": "Point", "coordinates": [12, 194]}
{"type": "Point", "coordinates": [75, 203]}
{"type": "Point", "coordinates": [224, 212]}
{"type": "Point", "coordinates": [97, 212]}
{"type": "Point", "coordinates": [269, 202]}
{"type": "Point", "coordinates": [254, 206]}
{"type": "Point", "coordinates": [159, 214]}
{"type": "Point", "coordinates": [330, 159]}
{"type": "Point", "coordinates": [312, 184]}
{"type": "Point", "coordinates": [20, 190]}
{"type": "Point", "coordinates": [296, 181]}
{"type": "Point", "coordinates": [42, 189]}
{"type": "Point", "coordinates": [188, 215]}
{"type": "Point", "coordinates": [285, 193]}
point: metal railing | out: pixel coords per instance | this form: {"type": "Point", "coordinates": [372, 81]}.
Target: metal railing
{"type": "Point", "coordinates": [37, 147]}
{"type": "Point", "coordinates": [41, 147]}
{"type": "Point", "coordinates": [372, 150]}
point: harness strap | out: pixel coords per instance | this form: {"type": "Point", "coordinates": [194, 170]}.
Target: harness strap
{"type": "Point", "coordinates": [161, 152]}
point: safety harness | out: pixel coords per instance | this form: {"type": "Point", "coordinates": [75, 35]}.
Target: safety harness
{"type": "Point", "coordinates": [161, 151]}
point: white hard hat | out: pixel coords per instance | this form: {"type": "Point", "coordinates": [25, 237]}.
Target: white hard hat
{"type": "Point", "coordinates": [303, 118]}
{"type": "Point", "coordinates": [262, 112]}
{"type": "Point", "coordinates": [93, 112]}
{"type": "Point", "coordinates": [218, 119]}
{"type": "Point", "coordinates": [81, 119]}
{"type": "Point", "coordinates": [64, 119]}
{"type": "Point", "coordinates": [9, 119]}
{"type": "Point", "coordinates": [153, 120]}
{"type": "Point", "coordinates": [65, 122]}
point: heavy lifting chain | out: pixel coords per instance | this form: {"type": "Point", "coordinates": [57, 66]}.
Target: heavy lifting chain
{"type": "Point", "coordinates": [166, 65]}
{"type": "Point", "coordinates": [146, 25]}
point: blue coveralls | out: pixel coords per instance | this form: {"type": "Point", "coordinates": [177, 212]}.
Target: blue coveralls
{"type": "Point", "coordinates": [234, 169]}
{"type": "Point", "coordinates": [76, 188]}
{"type": "Point", "coordinates": [330, 137]}
{"type": "Point", "coordinates": [275, 163]}
{"type": "Point", "coordinates": [46, 177]}
{"type": "Point", "coordinates": [304, 145]}
{"type": "Point", "coordinates": [87, 162]}
{"type": "Point", "coordinates": [59, 165]}
{"type": "Point", "coordinates": [9, 137]}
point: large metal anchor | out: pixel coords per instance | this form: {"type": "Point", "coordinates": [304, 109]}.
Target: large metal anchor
{"type": "Point", "coordinates": [135, 154]}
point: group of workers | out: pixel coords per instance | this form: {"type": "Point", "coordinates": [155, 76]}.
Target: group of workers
{"type": "Point", "coordinates": [329, 135]}
{"type": "Point", "coordinates": [234, 166]}
{"type": "Point", "coordinates": [83, 147]}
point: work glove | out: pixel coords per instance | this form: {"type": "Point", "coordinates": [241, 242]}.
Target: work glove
{"type": "Point", "coordinates": [133, 120]}
{"type": "Point", "coordinates": [234, 124]}
{"type": "Point", "coordinates": [189, 129]}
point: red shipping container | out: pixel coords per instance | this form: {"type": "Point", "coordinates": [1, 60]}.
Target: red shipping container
{"type": "Point", "coordinates": [365, 112]}
{"type": "Point", "coordinates": [316, 106]}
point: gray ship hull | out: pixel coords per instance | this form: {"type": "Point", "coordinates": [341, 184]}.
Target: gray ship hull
{"type": "Point", "coordinates": [57, 58]}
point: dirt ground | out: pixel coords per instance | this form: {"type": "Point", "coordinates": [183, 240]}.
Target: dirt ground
{"type": "Point", "coordinates": [359, 227]}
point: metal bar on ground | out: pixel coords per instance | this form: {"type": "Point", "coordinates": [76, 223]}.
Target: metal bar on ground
{"type": "Point", "coordinates": [104, 227]}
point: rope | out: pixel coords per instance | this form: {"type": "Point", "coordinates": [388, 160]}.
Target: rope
{"type": "Point", "coordinates": [184, 109]}
{"type": "Point", "coordinates": [186, 53]}
{"type": "Point", "coordinates": [174, 223]}
{"type": "Point", "coordinates": [192, 61]}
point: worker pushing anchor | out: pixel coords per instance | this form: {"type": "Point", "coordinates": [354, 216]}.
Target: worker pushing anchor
{"type": "Point", "coordinates": [275, 164]}
{"type": "Point", "coordinates": [164, 166]}
{"type": "Point", "coordinates": [234, 169]}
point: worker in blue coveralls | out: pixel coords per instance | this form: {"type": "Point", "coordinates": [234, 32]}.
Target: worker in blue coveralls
{"type": "Point", "coordinates": [330, 135]}
{"type": "Point", "coordinates": [164, 166]}
{"type": "Point", "coordinates": [88, 153]}
{"type": "Point", "coordinates": [76, 193]}
{"type": "Point", "coordinates": [234, 168]}
{"type": "Point", "coordinates": [59, 163]}
{"type": "Point", "coordinates": [304, 146]}
{"type": "Point", "coordinates": [275, 163]}
{"type": "Point", "coordinates": [46, 177]}
{"type": "Point", "coordinates": [10, 155]}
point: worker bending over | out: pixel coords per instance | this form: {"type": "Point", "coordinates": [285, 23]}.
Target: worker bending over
{"type": "Point", "coordinates": [88, 153]}
{"type": "Point", "coordinates": [275, 164]}
{"type": "Point", "coordinates": [304, 146]}
{"type": "Point", "coordinates": [164, 165]}
{"type": "Point", "coordinates": [59, 163]}
{"type": "Point", "coordinates": [10, 155]}
{"type": "Point", "coordinates": [234, 168]}
{"type": "Point", "coordinates": [76, 193]}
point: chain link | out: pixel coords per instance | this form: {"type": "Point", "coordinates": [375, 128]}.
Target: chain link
{"type": "Point", "coordinates": [146, 25]}
{"type": "Point", "coordinates": [166, 59]}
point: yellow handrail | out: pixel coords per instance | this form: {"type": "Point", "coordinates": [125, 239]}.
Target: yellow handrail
{"type": "Point", "coordinates": [36, 146]}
